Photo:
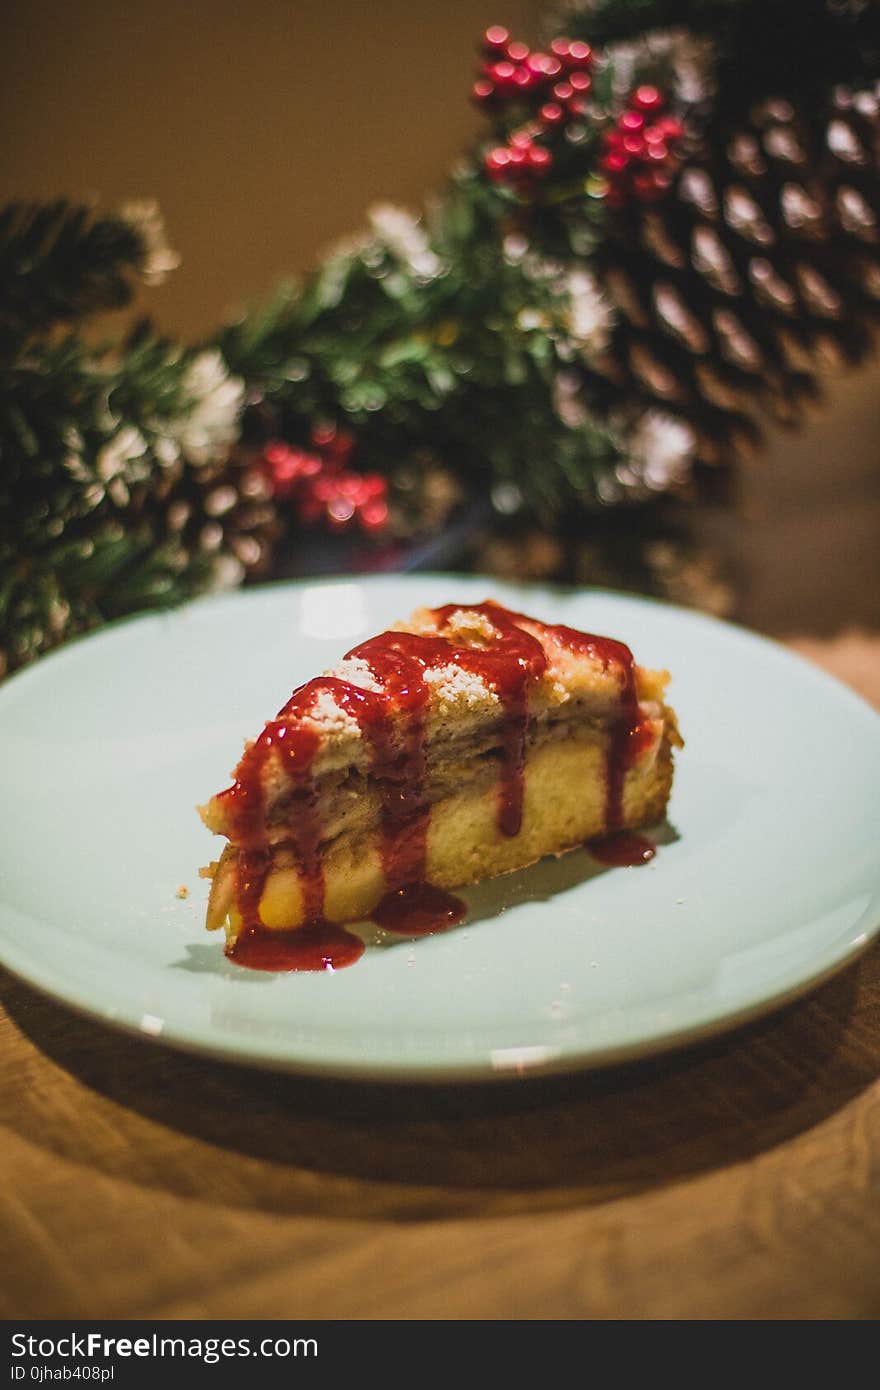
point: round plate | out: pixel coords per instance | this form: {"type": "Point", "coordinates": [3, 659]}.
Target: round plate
{"type": "Point", "coordinates": [767, 878]}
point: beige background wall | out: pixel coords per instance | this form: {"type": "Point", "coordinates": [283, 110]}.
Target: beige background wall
{"type": "Point", "coordinates": [266, 129]}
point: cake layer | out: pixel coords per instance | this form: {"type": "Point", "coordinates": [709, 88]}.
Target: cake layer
{"type": "Point", "coordinates": [564, 806]}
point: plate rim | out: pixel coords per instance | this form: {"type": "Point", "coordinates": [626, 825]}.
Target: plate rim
{"type": "Point", "coordinates": [477, 1073]}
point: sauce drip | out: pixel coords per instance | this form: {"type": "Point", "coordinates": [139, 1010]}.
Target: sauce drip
{"type": "Point", "coordinates": [510, 661]}
{"type": "Point", "coordinates": [623, 850]}
{"type": "Point", "coordinates": [630, 733]}
{"type": "Point", "coordinates": [318, 946]}
{"type": "Point", "coordinates": [418, 909]}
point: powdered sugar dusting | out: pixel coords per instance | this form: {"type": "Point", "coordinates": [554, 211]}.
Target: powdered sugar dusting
{"type": "Point", "coordinates": [451, 685]}
{"type": "Point", "coordinates": [470, 628]}
{"type": "Point", "coordinates": [330, 719]}
{"type": "Point", "coordinates": [356, 671]}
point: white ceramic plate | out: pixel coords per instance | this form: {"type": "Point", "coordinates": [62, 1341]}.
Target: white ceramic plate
{"type": "Point", "coordinates": [769, 881]}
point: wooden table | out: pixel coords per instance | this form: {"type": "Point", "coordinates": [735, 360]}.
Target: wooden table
{"type": "Point", "coordinates": [735, 1180]}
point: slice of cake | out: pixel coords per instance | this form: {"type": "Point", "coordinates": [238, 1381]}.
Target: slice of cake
{"type": "Point", "coordinates": [467, 742]}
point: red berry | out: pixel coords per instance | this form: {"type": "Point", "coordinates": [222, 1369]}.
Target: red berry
{"type": "Point", "coordinates": [277, 452]}
{"type": "Point", "coordinates": [563, 91]}
{"type": "Point", "coordinates": [634, 145]}
{"type": "Point", "coordinates": [576, 106]}
{"type": "Point", "coordinates": [290, 470]}
{"type": "Point", "coordinates": [517, 52]}
{"type": "Point", "coordinates": [668, 128]}
{"type": "Point", "coordinates": [521, 139]}
{"type": "Point", "coordinates": [543, 65]}
{"type": "Point", "coordinates": [373, 515]}
{"type": "Point", "coordinates": [482, 91]}
{"type": "Point", "coordinates": [281, 466]}
{"type": "Point", "coordinates": [496, 161]}
{"type": "Point", "coordinates": [631, 120]}
{"type": "Point", "coordinates": [572, 53]}
{"type": "Point", "coordinates": [647, 99]}
{"type": "Point", "coordinates": [324, 488]}
{"type": "Point", "coordinates": [615, 161]}
{"type": "Point", "coordinates": [354, 488]}
{"type": "Point", "coordinates": [581, 81]}
{"type": "Point", "coordinates": [496, 38]}
{"type": "Point", "coordinates": [502, 74]}
{"type": "Point", "coordinates": [580, 54]}
{"type": "Point", "coordinates": [552, 113]}
{"type": "Point", "coordinates": [523, 78]}
{"type": "Point", "coordinates": [539, 159]}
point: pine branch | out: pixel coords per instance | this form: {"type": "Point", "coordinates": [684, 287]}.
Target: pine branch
{"type": "Point", "coordinates": [110, 461]}
{"type": "Point", "coordinates": [59, 263]}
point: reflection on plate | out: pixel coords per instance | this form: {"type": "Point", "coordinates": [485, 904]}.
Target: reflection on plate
{"type": "Point", "coordinates": [767, 879]}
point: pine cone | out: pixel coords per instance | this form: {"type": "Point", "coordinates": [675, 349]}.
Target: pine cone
{"type": "Point", "coordinates": [760, 270]}
{"type": "Point", "coordinates": [219, 515]}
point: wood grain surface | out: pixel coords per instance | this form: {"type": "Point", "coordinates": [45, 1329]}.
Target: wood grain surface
{"type": "Point", "coordinates": [734, 1180]}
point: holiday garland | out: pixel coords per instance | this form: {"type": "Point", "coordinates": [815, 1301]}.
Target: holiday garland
{"type": "Point", "coordinates": [670, 227]}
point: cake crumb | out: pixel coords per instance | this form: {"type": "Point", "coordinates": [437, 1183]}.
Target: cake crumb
{"type": "Point", "coordinates": [182, 891]}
